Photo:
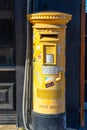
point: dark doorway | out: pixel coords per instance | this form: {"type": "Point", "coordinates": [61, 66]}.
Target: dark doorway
{"type": "Point", "coordinates": [7, 63]}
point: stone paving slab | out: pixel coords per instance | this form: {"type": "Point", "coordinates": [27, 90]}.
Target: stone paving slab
{"type": "Point", "coordinates": [13, 127]}
{"type": "Point", "coordinates": [8, 127]}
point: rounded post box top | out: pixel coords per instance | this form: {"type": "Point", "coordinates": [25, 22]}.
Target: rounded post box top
{"type": "Point", "coordinates": [49, 18]}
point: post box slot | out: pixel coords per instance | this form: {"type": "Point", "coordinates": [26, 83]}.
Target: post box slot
{"type": "Point", "coordinates": [48, 36]}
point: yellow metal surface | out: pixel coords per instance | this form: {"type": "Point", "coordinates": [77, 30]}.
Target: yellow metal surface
{"type": "Point", "coordinates": [21, 129]}
{"type": "Point", "coordinates": [49, 18]}
{"type": "Point", "coordinates": [49, 36]}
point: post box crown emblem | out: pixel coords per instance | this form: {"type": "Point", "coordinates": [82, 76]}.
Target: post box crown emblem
{"type": "Point", "coordinates": [49, 18]}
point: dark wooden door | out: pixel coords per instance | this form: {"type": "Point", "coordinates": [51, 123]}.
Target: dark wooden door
{"type": "Point", "coordinates": [86, 56]}
{"type": "Point", "coordinates": [7, 63]}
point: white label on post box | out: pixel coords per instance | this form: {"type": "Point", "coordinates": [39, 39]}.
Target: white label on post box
{"type": "Point", "coordinates": [49, 69]}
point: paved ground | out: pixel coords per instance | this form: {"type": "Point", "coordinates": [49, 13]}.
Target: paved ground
{"type": "Point", "coordinates": [7, 127]}
{"type": "Point", "coordinates": [13, 127]}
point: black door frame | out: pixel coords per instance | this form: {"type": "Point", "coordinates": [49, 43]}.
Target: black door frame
{"type": "Point", "coordinates": [82, 63]}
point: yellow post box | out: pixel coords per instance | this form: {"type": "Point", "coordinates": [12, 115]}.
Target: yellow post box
{"type": "Point", "coordinates": [49, 43]}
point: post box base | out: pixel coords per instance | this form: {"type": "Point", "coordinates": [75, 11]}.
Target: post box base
{"type": "Point", "coordinates": [48, 122]}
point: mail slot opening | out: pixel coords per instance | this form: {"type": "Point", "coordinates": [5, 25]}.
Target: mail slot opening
{"type": "Point", "coordinates": [48, 36]}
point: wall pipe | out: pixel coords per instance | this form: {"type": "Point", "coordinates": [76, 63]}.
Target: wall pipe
{"type": "Point", "coordinates": [27, 90]}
